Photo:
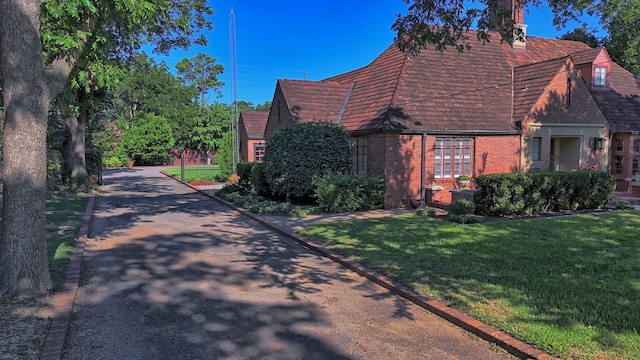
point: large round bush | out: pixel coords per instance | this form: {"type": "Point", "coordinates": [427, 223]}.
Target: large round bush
{"type": "Point", "coordinates": [149, 140]}
{"type": "Point", "coordinates": [295, 154]}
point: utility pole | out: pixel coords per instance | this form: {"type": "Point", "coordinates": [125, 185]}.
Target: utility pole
{"type": "Point", "coordinates": [234, 94]}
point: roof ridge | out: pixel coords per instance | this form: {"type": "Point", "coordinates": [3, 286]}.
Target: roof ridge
{"type": "Point", "coordinates": [395, 87]}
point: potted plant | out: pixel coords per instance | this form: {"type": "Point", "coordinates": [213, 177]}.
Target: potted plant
{"type": "Point", "coordinates": [463, 181]}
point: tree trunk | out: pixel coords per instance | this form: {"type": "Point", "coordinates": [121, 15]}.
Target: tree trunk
{"type": "Point", "coordinates": [24, 270]}
{"type": "Point", "coordinates": [77, 126]}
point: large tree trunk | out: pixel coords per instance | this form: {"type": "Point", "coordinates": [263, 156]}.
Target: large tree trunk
{"type": "Point", "coordinates": [24, 270]}
{"type": "Point", "coordinates": [77, 126]}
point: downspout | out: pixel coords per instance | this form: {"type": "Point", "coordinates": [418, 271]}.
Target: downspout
{"type": "Point", "coordinates": [423, 164]}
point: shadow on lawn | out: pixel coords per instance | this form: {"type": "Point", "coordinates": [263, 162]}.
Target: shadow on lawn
{"type": "Point", "coordinates": [585, 275]}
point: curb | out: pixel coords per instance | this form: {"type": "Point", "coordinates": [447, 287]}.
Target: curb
{"type": "Point", "coordinates": [486, 332]}
{"type": "Point", "coordinates": [54, 342]}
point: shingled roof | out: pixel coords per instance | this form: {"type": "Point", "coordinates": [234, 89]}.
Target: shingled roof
{"type": "Point", "coordinates": [254, 123]}
{"type": "Point", "coordinates": [620, 104]}
{"type": "Point", "coordinates": [433, 91]}
{"type": "Point", "coordinates": [313, 100]}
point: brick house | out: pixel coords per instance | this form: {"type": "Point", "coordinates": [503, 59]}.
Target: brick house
{"type": "Point", "coordinates": [251, 125]}
{"type": "Point", "coordinates": [533, 105]}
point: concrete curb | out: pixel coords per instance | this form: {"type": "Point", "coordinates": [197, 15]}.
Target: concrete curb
{"type": "Point", "coordinates": [54, 342]}
{"type": "Point", "coordinates": [513, 346]}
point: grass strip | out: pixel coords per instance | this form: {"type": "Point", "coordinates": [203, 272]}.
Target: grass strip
{"type": "Point", "coordinates": [194, 173]}
{"type": "Point", "coordinates": [64, 218]}
{"type": "Point", "coordinates": [570, 285]}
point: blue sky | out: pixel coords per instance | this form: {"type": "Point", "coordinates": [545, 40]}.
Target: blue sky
{"type": "Point", "coordinates": [310, 40]}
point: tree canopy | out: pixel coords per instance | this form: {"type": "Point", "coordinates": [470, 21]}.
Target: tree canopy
{"type": "Point", "coordinates": [41, 45]}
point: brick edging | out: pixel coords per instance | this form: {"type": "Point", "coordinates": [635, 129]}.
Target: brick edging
{"type": "Point", "coordinates": [54, 342]}
{"type": "Point", "coordinates": [512, 345]}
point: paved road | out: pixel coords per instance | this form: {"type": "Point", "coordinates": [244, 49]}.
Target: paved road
{"type": "Point", "coordinates": [171, 274]}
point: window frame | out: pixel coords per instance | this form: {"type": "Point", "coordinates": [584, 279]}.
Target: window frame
{"type": "Point", "coordinates": [600, 76]}
{"type": "Point", "coordinates": [359, 148]}
{"type": "Point", "coordinates": [536, 148]}
{"type": "Point", "coordinates": [453, 157]}
{"type": "Point", "coordinates": [258, 152]}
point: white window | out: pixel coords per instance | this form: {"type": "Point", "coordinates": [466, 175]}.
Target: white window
{"type": "Point", "coordinates": [600, 78]}
{"type": "Point", "coordinates": [453, 157]}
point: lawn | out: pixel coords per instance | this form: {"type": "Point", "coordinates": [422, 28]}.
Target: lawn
{"type": "Point", "coordinates": [24, 323]}
{"type": "Point", "coordinates": [200, 173]}
{"type": "Point", "coordinates": [569, 285]}
{"type": "Point", "coordinates": [64, 217]}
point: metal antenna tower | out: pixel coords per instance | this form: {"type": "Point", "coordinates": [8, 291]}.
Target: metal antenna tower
{"type": "Point", "coordinates": [234, 94]}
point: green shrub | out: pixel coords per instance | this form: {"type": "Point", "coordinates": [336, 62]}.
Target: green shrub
{"type": "Point", "coordinates": [305, 210]}
{"type": "Point", "coordinates": [270, 207]}
{"type": "Point", "coordinates": [259, 181]}
{"type": "Point", "coordinates": [523, 194]}
{"type": "Point", "coordinates": [244, 172]}
{"type": "Point", "coordinates": [224, 155]}
{"type": "Point", "coordinates": [148, 142]}
{"type": "Point", "coordinates": [463, 219]}
{"type": "Point", "coordinates": [429, 213]}
{"type": "Point", "coordinates": [461, 207]}
{"type": "Point", "coordinates": [624, 205]}
{"type": "Point", "coordinates": [228, 189]}
{"type": "Point", "coordinates": [337, 192]}
{"type": "Point", "coordinates": [298, 153]}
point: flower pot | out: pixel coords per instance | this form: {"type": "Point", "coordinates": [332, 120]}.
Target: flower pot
{"type": "Point", "coordinates": [415, 203]}
{"type": "Point", "coordinates": [462, 184]}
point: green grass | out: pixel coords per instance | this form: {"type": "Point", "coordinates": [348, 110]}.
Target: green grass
{"type": "Point", "coordinates": [195, 173]}
{"type": "Point", "coordinates": [570, 286]}
{"type": "Point", "coordinates": [64, 217]}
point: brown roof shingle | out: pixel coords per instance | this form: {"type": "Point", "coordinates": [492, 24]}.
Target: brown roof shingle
{"type": "Point", "coordinates": [444, 91]}
{"type": "Point", "coordinates": [254, 122]}
{"type": "Point", "coordinates": [314, 101]}
{"type": "Point", "coordinates": [621, 103]}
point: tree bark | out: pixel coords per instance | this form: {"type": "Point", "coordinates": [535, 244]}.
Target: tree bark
{"type": "Point", "coordinates": [24, 270]}
{"type": "Point", "coordinates": [77, 126]}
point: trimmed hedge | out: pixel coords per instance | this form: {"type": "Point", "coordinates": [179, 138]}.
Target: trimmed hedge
{"type": "Point", "coordinates": [337, 192]}
{"type": "Point", "coordinates": [259, 181]}
{"type": "Point", "coordinates": [528, 193]}
{"type": "Point", "coordinates": [297, 153]}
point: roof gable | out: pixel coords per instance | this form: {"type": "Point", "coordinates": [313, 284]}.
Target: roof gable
{"type": "Point", "coordinates": [544, 93]}
{"type": "Point", "coordinates": [254, 123]}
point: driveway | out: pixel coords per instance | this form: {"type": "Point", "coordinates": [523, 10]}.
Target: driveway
{"type": "Point", "coordinates": [169, 273]}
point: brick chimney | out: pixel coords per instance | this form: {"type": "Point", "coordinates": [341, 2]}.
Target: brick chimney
{"type": "Point", "coordinates": [511, 10]}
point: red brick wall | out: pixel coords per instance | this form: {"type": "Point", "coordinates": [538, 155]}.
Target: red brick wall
{"type": "Point", "coordinates": [251, 149]}
{"type": "Point", "coordinates": [244, 140]}
{"type": "Point", "coordinates": [398, 158]}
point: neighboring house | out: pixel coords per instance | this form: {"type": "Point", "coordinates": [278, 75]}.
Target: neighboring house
{"type": "Point", "coordinates": [421, 121]}
{"type": "Point", "coordinates": [251, 127]}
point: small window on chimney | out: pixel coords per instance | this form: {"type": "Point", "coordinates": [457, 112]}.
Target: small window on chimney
{"type": "Point", "coordinates": [600, 78]}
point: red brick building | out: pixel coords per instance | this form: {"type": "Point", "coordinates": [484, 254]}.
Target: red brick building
{"type": "Point", "coordinates": [421, 121]}
{"type": "Point", "coordinates": [251, 125]}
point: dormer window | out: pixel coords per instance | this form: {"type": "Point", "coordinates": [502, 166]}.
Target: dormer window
{"type": "Point", "coordinates": [600, 78]}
